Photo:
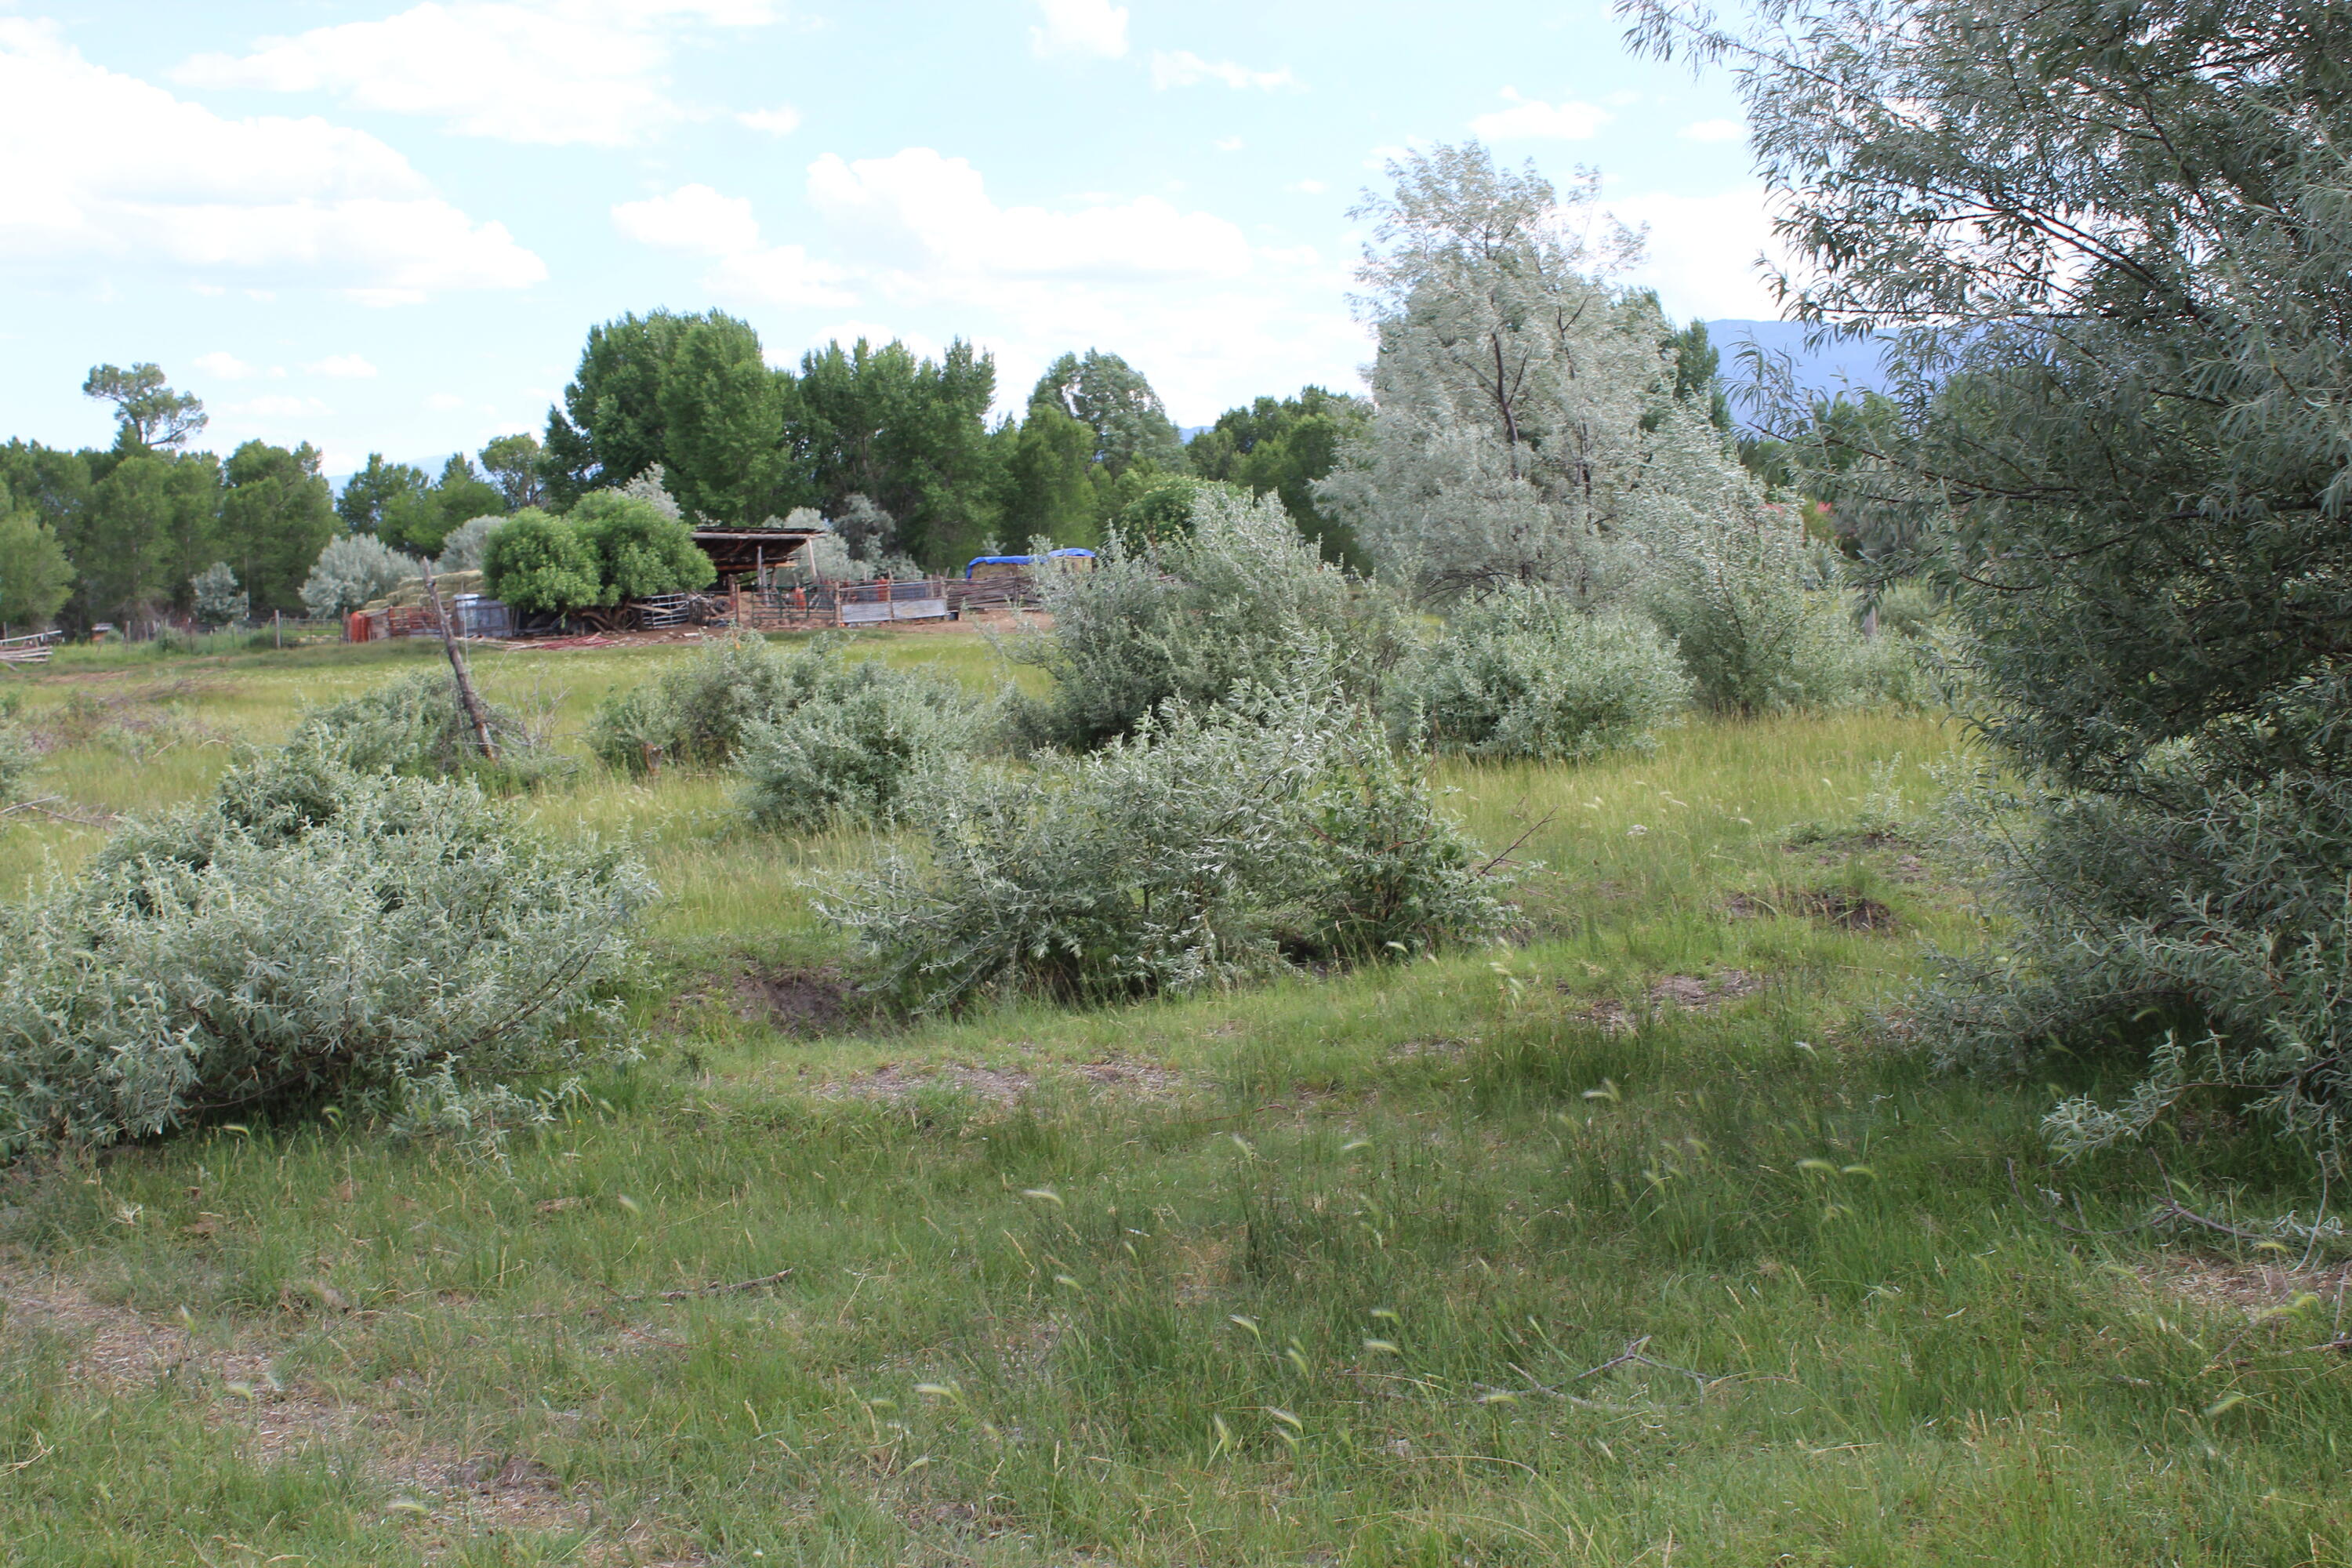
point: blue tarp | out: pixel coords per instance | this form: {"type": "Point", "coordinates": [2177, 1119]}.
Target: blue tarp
{"type": "Point", "coordinates": [1016, 560]}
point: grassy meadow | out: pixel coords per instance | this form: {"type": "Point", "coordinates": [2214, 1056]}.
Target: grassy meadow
{"type": "Point", "coordinates": [1648, 1240]}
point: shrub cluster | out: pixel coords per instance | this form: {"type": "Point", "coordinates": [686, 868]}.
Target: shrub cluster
{"type": "Point", "coordinates": [414, 725]}
{"type": "Point", "coordinates": [354, 569]}
{"type": "Point", "coordinates": [1194, 615]}
{"type": "Point", "coordinates": [850, 749]}
{"type": "Point", "coordinates": [608, 548]}
{"type": "Point", "coordinates": [311, 935]}
{"type": "Point", "coordinates": [17, 755]}
{"type": "Point", "coordinates": [695, 713]}
{"type": "Point", "coordinates": [1210, 845]}
{"type": "Point", "coordinates": [1526, 674]}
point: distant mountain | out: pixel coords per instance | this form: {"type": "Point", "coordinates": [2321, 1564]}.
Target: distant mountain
{"type": "Point", "coordinates": [1851, 366]}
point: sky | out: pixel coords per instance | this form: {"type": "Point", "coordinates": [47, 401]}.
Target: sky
{"type": "Point", "coordinates": [378, 225]}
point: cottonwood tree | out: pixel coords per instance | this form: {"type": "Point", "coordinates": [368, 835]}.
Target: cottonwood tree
{"type": "Point", "coordinates": [1511, 380]}
{"type": "Point", "coordinates": [1112, 397]}
{"type": "Point", "coordinates": [2113, 246]}
{"type": "Point", "coordinates": [151, 416]}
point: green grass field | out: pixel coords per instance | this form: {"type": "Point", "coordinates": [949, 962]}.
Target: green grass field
{"type": "Point", "coordinates": [1648, 1241]}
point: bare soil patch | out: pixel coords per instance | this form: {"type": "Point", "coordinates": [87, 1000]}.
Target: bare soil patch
{"type": "Point", "coordinates": [1674, 994]}
{"type": "Point", "coordinates": [1838, 907]}
{"type": "Point", "coordinates": [2254, 1290]}
{"type": "Point", "coordinates": [804, 1002]}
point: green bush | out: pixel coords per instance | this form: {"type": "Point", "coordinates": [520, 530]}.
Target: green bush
{"type": "Point", "coordinates": [1210, 845]}
{"type": "Point", "coordinates": [850, 749]}
{"type": "Point", "coordinates": [540, 564]}
{"type": "Point", "coordinates": [18, 756]}
{"type": "Point", "coordinates": [1526, 674]}
{"type": "Point", "coordinates": [639, 550]}
{"type": "Point", "coordinates": [697, 713]}
{"type": "Point", "coordinates": [400, 947]}
{"type": "Point", "coordinates": [1239, 599]}
{"type": "Point", "coordinates": [414, 725]}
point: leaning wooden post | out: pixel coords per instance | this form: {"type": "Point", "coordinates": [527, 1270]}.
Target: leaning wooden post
{"type": "Point", "coordinates": [473, 704]}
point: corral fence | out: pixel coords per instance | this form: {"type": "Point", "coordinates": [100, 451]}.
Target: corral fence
{"type": "Point", "coordinates": [34, 649]}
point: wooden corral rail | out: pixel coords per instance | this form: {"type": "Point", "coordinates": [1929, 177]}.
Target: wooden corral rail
{"type": "Point", "coordinates": [34, 649]}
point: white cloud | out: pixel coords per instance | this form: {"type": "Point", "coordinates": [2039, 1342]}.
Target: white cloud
{"type": "Point", "coordinates": [781, 120]}
{"type": "Point", "coordinates": [692, 218]}
{"type": "Point", "coordinates": [1080, 27]}
{"type": "Point", "coordinates": [698, 219]}
{"type": "Point", "coordinates": [1230, 144]}
{"type": "Point", "coordinates": [443, 402]}
{"type": "Point", "coordinates": [342, 367]}
{"type": "Point", "coordinates": [551, 71]}
{"type": "Point", "coordinates": [1714, 130]}
{"type": "Point", "coordinates": [1185, 69]}
{"type": "Point", "coordinates": [97, 167]}
{"type": "Point", "coordinates": [1702, 251]}
{"type": "Point", "coordinates": [228, 367]}
{"type": "Point", "coordinates": [929, 221]}
{"type": "Point", "coordinates": [1529, 119]}
{"type": "Point", "coordinates": [1308, 187]}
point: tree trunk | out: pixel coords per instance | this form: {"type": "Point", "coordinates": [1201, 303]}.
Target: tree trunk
{"type": "Point", "coordinates": [465, 697]}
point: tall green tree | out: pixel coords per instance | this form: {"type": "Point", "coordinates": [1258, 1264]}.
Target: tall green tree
{"type": "Point", "coordinates": [2113, 247]}
{"type": "Point", "coordinates": [149, 415]}
{"type": "Point", "coordinates": [1284, 445]}
{"type": "Point", "coordinates": [727, 450]}
{"type": "Point", "coordinates": [1049, 480]}
{"type": "Point", "coordinates": [458, 496]}
{"type": "Point", "coordinates": [149, 531]}
{"type": "Point", "coordinates": [611, 427]}
{"type": "Point", "coordinates": [1104, 392]}
{"type": "Point", "coordinates": [277, 513]}
{"type": "Point", "coordinates": [376, 489]}
{"type": "Point", "coordinates": [909, 432]}
{"type": "Point", "coordinates": [512, 463]}
{"type": "Point", "coordinates": [34, 575]}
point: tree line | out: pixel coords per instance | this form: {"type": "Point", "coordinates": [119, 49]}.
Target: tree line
{"type": "Point", "coordinates": [900, 447]}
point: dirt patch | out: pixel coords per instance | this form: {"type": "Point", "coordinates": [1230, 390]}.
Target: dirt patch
{"type": "Point", "coordinates": [1834, 906]}
{"type": "Point", "coordinates": [2254, 1290]}
{"type": "Point", "coordinates": [804, 1002]}
{"type": "Point", "coordinates": [1129, 1077]}
{"type": "Point", "coordinates": [118, 1349]}
{"type": "Point", "coordinates": [1672, 993]}
{"type": "Point", "coordinates": [1846, 910]}
{"type": "Point", "coordinates": [900, 1082]}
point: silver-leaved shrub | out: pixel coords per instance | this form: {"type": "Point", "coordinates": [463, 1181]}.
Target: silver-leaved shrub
{"type": "Point", "coordinates": [850, 749]}
{"type": "Point", "coordinates": [697, 713]}
{"type": "Point", "coordinates": [414, 725]}
{"type": "Point", "coordinates": [1195, 616]}
{"type": "Point", "coordinates": [1526, 673]}
{"type": "Point", "coordinates": [310, 936]}
{"type": "Point", "coordinates": [1210, 845]}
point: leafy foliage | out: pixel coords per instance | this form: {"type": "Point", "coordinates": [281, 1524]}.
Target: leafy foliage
{"type": "Point", "coordinates": [353, 570]}
{"type": "Point", "coordinates": [1209, 844]}
{"type": "Point", "coordinates": [34, 575]}
{"type": "Point", "coordinates": [1727, 581]}
{"type": "Point", "coordinates": [1526, 674]}
{"type": "Point", "coordinates": [851, 746]}
{"type": "Point", "coordinates": [699, 712]}
{"type": "Point", "coordinates": [1239, 598]}
{"type": "Point", "coordinates": [2113, 250]}
{"type": "Point", "coordinates": [541, 564]}
{"type": "Point", "coordinates": [639, 551]}
{"type": "Point", "coordinates": [220, 598]}
{"type": "Point", "coordinates": [414, 726]}
{"type": "Point", "coordinates": [311, 935]}
{"type": "Point", "coordinates": [1111, 398]}
{"type": "Point", "coordinates": [1511, 384]}
{"type": "Point", "coordinates": [17, 755]}
{"type": "Point", "coordinates": [463, 550]}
